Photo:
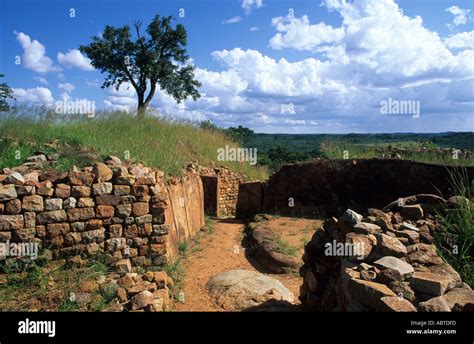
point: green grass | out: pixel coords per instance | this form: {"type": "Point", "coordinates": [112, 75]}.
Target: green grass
{"type": "Point", "coordinates": [176, 271]}
{"type": "Point", "coordinates": [209, 225]}
{"type": "Point", "coordinates": [285, 248]}
{"type": "Point", "coordinates": [183, 247]}
{"type": "Point", "coordinates": [340, 150]}
{"type": "Point", "coordinates": [34, 283]}
{"type": "Point", "coordinates": [155, 142]}
{"type": "Point", "coordinates": [455, 239]}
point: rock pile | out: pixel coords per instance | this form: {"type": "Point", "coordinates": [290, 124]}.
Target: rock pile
{"type": "Point", "coordinates": [134, 292]}
{"type": "Point", "coordinates": [110, 208]}
{"type": "Point", "coordinates": [126, 292]}
{"type": "Point", "coordinates": [384, 261]}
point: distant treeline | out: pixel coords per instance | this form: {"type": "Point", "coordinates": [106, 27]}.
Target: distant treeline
{"type": "Point", "coordinates": [275, 150]}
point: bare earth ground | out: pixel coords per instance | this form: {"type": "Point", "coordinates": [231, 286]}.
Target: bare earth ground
{"type": "Point", "coordinates": [221, 250]}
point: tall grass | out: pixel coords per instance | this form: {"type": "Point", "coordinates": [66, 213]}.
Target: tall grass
{"type": "Point", "coordinates": [455, 238]}
{"type": "Point", "coordinates": [168, 145]}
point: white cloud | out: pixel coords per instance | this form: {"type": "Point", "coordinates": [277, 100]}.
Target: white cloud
{"type": "Point", "coordinates": [460, 41]}
{"type": "Point", "coordinates": [254, 28]}
{"type": "Point", "coordinates": [299, 34]}
{"type": "Point", "coordinates": [66, 87]}
{"type": "Point", "coordinates": [232, 20]}
{"type": "Point", "coordinates": [461, 16]}
{"type": "Point", "coordinates": [265, 75]}
{"type": "Point", "coordinates": [375, 44]}
{"type": "Point", "coordinates": [37, 95]}
{"type": "Point", "coordinates": [74, 59]}
{"type": "Point", "coordinates": [377, 52]}
{"type": "Point", "coordinates": [123, 99]}
{"type": "Point", "coordinates": [41, 80]}
{"type": "Point", "coordinates": [249, 5]}
{"type": "Point", "coordinates": [34, 55]}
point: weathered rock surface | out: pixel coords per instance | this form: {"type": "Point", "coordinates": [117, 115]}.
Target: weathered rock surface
{"type": "Point", "coordinates": [394, 263]}
{"type": "Point", "coordinates": [368, 293]}
{"type": "Point", "coordinates": [241, 289]}
{"type": "Point", "coordinates": [403, 271]}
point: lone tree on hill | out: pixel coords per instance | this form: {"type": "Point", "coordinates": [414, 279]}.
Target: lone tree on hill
{"type": "Point", "coordinates": [160, 58]}
{"type": "Point", "coordinates": [5, 93]}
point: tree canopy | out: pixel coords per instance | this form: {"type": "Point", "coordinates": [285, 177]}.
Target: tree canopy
{"type": "Point", "coordinates": [157, 57]}
{"type": "Point", "coordinates": [5, 93]}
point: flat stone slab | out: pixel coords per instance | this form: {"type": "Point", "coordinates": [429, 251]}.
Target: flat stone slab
{"type": "Point", "coordinates": [368, 293]}
{"type": "Point", "coordinates": [389, 262]}
{"type": "Point", "coordinates": [241, 289]}
{"type": "Point", "coordinates": [408, 226]}
{"type": "Point", "coordinates": [395, 304]}
{"type": "Point", "coordinates": [429, 283]}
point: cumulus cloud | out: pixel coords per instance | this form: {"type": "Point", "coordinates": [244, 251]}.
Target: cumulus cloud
{"type": "Point", "coordinates": [249, 5]}
{"type": "Point", "coordinates": [66, 87]}
{"type": "Point", "coordinates": [34, 55]}
{"type": "Point", "coordinates": [461, 16]}
{"type": "Point", "coordinates": [41, 80]}
{"type": "Point", "coordinates": [265, 75]}
{"type": "Point", "coordinates": [123, 99]}
{"type": "Point", "coordinates": [376, 43]}
{"type": "Point", "coordinates": [377, 52]}
{"type": "Point", "coordinates": [460, 41]}
{"type": "Point", "coordinates": [74, 59]}
{"type": "Point", "coordinates": [299, 34]}
{"type": "Point", "coordinates": [232, 20]}
{"type": "Point", "coordinates": [37, 95]}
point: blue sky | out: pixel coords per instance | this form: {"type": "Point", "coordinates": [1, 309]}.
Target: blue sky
{"type": "Point", "coordinates": [325, 67]}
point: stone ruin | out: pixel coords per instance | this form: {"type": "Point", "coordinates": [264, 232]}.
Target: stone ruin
{"type": "Point", "coordinates": [221, 188]}
{"type": "Point", "coordinates": [128, 213]}
{"type": "Point", "coordinates": [328, 187]}
{"type": "Point", "coordinates": [397, 268]}
{"type": "Point", "coordinates": [135, 217]}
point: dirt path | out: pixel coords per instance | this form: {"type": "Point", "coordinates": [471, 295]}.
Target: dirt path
{"type": "Point", "coordinates": [213, 253]}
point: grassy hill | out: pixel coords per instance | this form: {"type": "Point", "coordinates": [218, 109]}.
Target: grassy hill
{"type": "Point", "coordinates": [155, 142]}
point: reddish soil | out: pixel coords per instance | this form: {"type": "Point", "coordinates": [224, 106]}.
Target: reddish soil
{"type": "Point", "coordinates": [221, 250]}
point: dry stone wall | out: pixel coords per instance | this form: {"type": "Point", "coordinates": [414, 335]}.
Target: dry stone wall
{"type": "Point", "coordinates": [331, 186]}
{"type": "Point", "coordinates": [129, 213]}
{"type": "Point", "coordinates": [227, 189]}
{"type": "Point", "coordinates": [383, 261]}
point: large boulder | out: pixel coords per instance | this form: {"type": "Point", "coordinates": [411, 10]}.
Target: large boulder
{"type": "Point", "coordinates": [242, 289]}
{"type": "Point", "coordinates": [267, 252]}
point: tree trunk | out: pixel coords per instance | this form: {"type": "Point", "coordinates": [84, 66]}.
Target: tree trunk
{"type": "Point", "coordinates": [141, 110]}
{"type": "Point", "coordinates": [143, 103]}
